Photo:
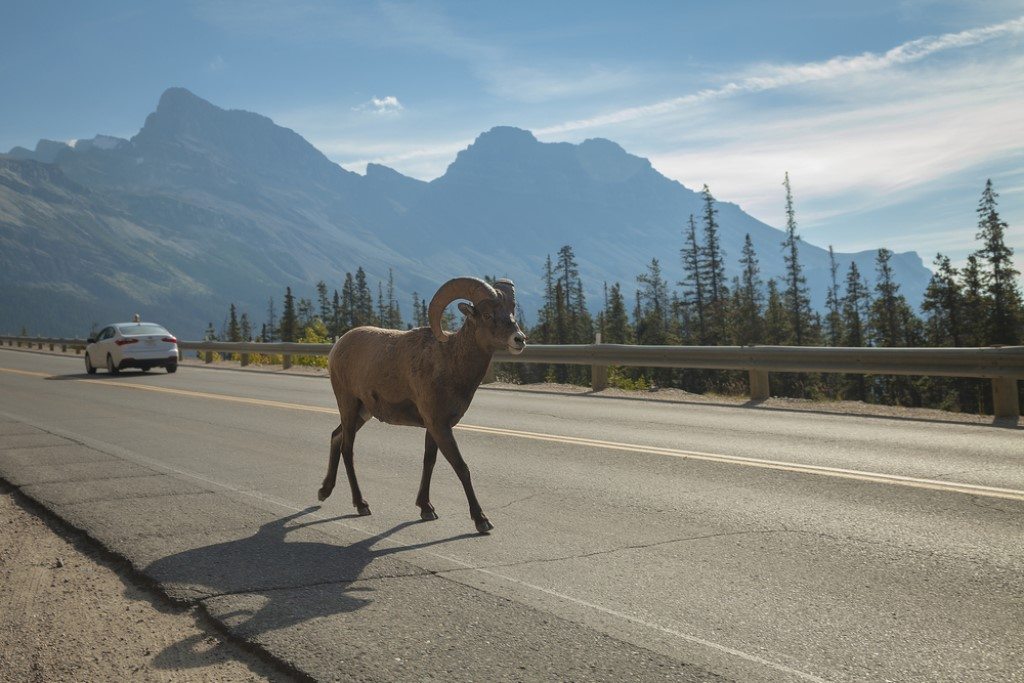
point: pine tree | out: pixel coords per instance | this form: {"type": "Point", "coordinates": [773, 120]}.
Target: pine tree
{"type": "Point", "coordinates": [363, 300]}
{"type": "Point", "coordinates": [394, 316]}
{"type": "Point", "coordinates": [1005, 314]}
{"type": "Point", "coordinates": [887, 314]}
{"type": "Point", "coordinates": [943, 301]}
{"type": "Point", "coordinates": [694, 294]}
{"type": "Point", "coordinates": [776, 319]}
{"type": "Point", "coordinates": [652, 327]}
{"type": "Point", "coordinates": [234, 331]}
{"type": "Point", "coordinates": [856, 304]}
{"type": "Point", "coordinates": [893, 323]}
{"type": "Point", "coordinates": [245, 327]}
{"type": "Point", "coordinates": [545, 331]}
{"type": "Point", "coordinates": [336, 326]}
{"type": "Point", "coordinates": [289, 319]}
{"type": "Point", "coordinates": [748, 298]}
{"type": "Point", "coordinates": [382, 310]}
{"type": "Point", "coordinates": [417, 317]}
{"type": "Point", "coordinates": [305, 313]}
{"type": "Point", "coordinates": [976, 303]}
{"type": "Point", "coordinates": [834, 322]}
{"type": "Point", "coordinates": [797, 299]}
{"type": "Point", "coordinates": [616, 320]}
{"type": "Point", "coordinates": [271, 324]}
{"type": "Point", "coordinates": [324, 301]}
{"type": "Point", "coordinates": [209, 335]}
{"type": "Point", "coordinates": [349, 307]}
{"type": "Point", "coordinates": [713, 267]}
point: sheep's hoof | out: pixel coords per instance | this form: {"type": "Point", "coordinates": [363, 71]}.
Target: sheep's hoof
{"type": "Point", "coordinates": [322, 494]}
{"type": "Point", "coordinates": [484, 526]}
{"type": "Point", "coordinates": [427, 514]}
{"type": "Point", "coordinates": [363, 510]}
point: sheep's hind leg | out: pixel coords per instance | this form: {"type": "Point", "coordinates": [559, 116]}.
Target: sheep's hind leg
{"type": "Point", "coordinates": [332, 466]}
{"type": "Point", "coordinates": [423, 498]}
{"type": "Point", "coordinates": [446, 442]}
{"type": "Point", "coordinates": [348, 456]}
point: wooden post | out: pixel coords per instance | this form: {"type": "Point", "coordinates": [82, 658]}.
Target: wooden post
{"type": "Point", "coordinates": [208, 357]}
{"type": "Point", "coordinates": [244, 359]}
{"type": "Point", "coordinates": [63, 348]}
{"type": "Point", "coordinates": [51, 347]}
{"type": "Point", "coordinates": [759, 390]}
{"type": "Point", "coordinates": [286, 361]}
{"type": "Point", "coordinates": [598, 373]}
{"type": "Point", "coordinates": [1004, 397]}
{"type": "Point", "coordinates": [40, 346]}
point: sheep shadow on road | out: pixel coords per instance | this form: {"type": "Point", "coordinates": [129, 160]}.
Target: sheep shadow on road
{"type": "Point", "coordinates": [277, 582]}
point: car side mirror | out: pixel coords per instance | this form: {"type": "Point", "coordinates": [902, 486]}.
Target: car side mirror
{"type": "Point", "coordinates": [90, 340]}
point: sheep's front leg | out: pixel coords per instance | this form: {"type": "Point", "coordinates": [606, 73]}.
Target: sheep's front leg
{"type": "Point", "coordinates": [332, 465]}
{"type": "Point", "coordinates": [446, 442]}
{"type": "Point", "coordinates": [423, 498]}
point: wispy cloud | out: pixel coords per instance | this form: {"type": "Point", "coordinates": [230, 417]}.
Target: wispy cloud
{"type": "Point", "coordinates": [388, 104]}
{"type": "Point", "coordinates": [864, 150]}
{"type": "Point", "coordinates": [216, 64]}
{"type": "Point", "coordinates": [778, 76]}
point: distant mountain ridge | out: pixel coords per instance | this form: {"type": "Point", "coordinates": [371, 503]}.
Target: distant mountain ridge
{"type": "Point", "coordinates": [206, 206]}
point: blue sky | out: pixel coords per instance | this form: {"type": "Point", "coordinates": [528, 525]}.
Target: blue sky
{"type": "Point", "coordinates": [889, 116]}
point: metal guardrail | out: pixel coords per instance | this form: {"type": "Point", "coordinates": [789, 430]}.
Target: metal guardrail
{"type": "Point", "coordinates": [1004, 366]}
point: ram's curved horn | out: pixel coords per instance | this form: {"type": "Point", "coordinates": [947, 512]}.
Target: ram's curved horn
{"type": "Point", "coordinates": [468, 288]}
{"type": "Point", "coordinates": [507, 289]}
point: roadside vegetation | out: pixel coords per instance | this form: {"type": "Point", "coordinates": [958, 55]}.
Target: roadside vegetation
{"type": "Point", "coordinates": [977, 305]}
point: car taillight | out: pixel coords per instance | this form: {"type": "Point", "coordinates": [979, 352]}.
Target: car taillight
{"type": "Point", "coordinates": [170, 340]}
{"type": "Point", "coordinates": [122, 342]}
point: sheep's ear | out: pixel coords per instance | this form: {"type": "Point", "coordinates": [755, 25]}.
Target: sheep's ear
{"type": "Point", "coordinates": [467, 309]}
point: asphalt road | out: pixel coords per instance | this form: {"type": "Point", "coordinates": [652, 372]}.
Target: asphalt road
{"type": "Point", "coordinates": [633, 539]}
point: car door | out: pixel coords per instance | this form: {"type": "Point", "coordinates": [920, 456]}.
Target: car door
{"type": "Point", "coordinates": [102, 347]}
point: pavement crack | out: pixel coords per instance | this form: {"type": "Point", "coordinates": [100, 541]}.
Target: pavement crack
{"type": "Point", "coordinates": [516, 501]}
{"type": "Point", "coordinates": [608, 551]}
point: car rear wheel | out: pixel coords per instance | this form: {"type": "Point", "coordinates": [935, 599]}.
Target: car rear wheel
{"type": "Point", "coordinates": [89, 367]}
{"type": "Point", "coordinates": [171, 368]}
{"type": "Point", "coordinates": [111, 368]}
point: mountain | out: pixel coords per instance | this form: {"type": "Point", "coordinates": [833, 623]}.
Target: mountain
{"type": "Point", "coordinates": [206, 206]}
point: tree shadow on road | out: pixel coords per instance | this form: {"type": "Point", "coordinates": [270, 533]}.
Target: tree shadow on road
{"type": "Point", "coordinates": [278, 583]}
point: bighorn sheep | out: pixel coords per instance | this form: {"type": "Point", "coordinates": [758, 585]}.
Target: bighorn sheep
{"type": "Point", "coordinates": [424, 377]}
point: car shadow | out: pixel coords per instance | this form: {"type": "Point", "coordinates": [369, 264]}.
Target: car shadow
{"type": "Point", "coordinates": [278, 583]}
{"type": "Point", "coordinates": [124, 374]}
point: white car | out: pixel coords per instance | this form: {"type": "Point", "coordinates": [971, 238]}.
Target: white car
{"type": "Point", "coordinates": [132, 345]}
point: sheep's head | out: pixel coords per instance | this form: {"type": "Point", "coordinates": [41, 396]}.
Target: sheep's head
{"type": "Point", "coordinates": [491, 316]}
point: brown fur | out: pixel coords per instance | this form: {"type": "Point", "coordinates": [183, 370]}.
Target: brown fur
{"type": "Point", "coordinates": [410, 378]}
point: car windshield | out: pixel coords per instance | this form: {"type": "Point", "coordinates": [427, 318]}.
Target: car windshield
{"type": "Point", "coordinates": [142, 328]}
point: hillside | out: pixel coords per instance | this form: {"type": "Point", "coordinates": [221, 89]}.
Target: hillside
{"type": "Point", "coordinates": [206, 206]}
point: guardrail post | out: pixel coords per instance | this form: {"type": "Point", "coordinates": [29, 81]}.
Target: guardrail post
{"type": "Point", "coordinates": [286, 361]}
{"type": "Point", "coordinates": [63, 348]}
{"type": "Point", "coordinates": [1004, 397]}
{"type": "Point", "coordinates": [489, 374]}
{"type": "Point", "coordinates": [759, 389]}
{"type": "Point", "coordinates": [40, 346]}
{"type": "Point", "coordinates": [208, 357]}
{"type": "Point", "coordinates": [598, 373]}
{"type": "Point", "coordinates": [244, 359]}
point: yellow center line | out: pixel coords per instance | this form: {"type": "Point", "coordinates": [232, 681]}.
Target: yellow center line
{"type": "Point", "coordinates": [821, 470]}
